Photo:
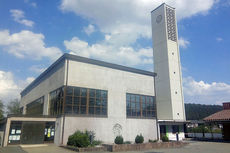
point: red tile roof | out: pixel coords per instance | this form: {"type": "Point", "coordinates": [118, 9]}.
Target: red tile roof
{"type": "Point", "coordinates": [223, 115]}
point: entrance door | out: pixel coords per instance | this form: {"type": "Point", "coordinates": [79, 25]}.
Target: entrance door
{"type": "Point", "coordinates": [162, 130]}
{"type": "Point", "coordinates": [33, 132]}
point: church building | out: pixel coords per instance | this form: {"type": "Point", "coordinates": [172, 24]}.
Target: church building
{"type": "Point", "coordinates": [78, 93]}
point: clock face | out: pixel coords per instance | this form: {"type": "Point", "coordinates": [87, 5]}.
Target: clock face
{"type": "Point", "coordinates": [159, 18]}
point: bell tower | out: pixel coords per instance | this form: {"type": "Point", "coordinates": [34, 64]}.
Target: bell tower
{"type": "Point", "coordinates": [168, 83]}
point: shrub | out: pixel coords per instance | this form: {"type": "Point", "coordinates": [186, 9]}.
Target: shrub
{"type": "Point", "coordinates": [165, 138]}
{"type": "Point", "coordinates": [79, 139]}
{"type": "Point", "coordinates": [96, 142]}
{"type": "Point", "coordinates": [217, 131]}
{"type": "Point", "coordinates": [127, 142]}
{"type": "Point", "coordinates": [152, 141]}
{"type": "Point", "coordinates": [119, 140]}
{"type": "Point", "coordinates": [139, 139]}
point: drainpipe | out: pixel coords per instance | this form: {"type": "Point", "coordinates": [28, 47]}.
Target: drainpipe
{"type": "Point", "coordinates": [157, 124]}
{"type": "Point", "coordinates": [64, 100]}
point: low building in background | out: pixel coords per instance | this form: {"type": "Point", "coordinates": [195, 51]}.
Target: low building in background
{"type": "Point", "coordinates": [221, 117]}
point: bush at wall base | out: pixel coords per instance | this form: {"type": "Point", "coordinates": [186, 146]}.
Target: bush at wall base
{"type": "Point", "coordinates": [119, 140]}
{"type": "Point", "coordinates": [165, 138]}
{"type": "Point", "coordinates": [79, 139]}
{"type": "Point", "coordinates": [139, 139]}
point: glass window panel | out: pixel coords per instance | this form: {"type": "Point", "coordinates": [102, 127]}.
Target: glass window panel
{"type": "Point", "coordinates": [76, 101]}
{"type": "Point", "coordinates": [133, 106]}
{"type": "Point", "coordinates": [153, 114]}
{"type": "Point", "coordinates": [144, 113]}
{"type": "Point", "coordinates": [91, 101]}
{"type": "Point", "coordinates": [104, 111]}
{"type": "Point", "coordinates": [104, 102]}
{"type": "Point", "coordinates": [83, 101]}
{"type": "Point", "coordinates": [68, 100]}
{"type": "Point", "coordinates": [91, 110]}
{"type": "Point", "coordinates": [127, 97]}
{"type": "Point", "coordinates": [134, 112]}
{"type": "Point", "coordinates": [98, 93]}
{"type": "Point", "coordinates": [143, 99]}
{"type": "Point", "coordinates": [148, 113]}
{"type": "Point", "coordinates": [68, 109]}
{"type": "Point", "coordinates": [83, 92]}
{"type": "Point", "coordinates": [98, 102]}
{"type": "Point", "coordinates": [137, 98]}
{"type": "Point", "coordinates": [98, 110]}
{"type": "Point", "coordinates": [128, 112]}
{"type": "Point", "coordinates": [138, 106]}
{"type": "Point", "coordinates": [76, 109]}
{"type": "Point", "coordinates": [91, 92]}
{"type": "Point", "coordinates": [83, 109]}
{"type": "Point", "coordinates": [151, 99]}
{"type": "Point", "coordinates": [133, 98]}
{"type": "Point", "coordinates": [138, 113]}
{"type": "Point", "coordinates": [76, 91]}
{"type": "Point", "coordinates": [104, 94]}
{"type": "Point", "coordinates": [69, 91]}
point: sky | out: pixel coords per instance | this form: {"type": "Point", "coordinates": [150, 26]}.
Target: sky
{"type": "Point", "coordinates": [33, 34]}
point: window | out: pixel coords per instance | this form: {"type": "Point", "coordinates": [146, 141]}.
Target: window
{"type": "Point", "coordinates": [56, 101]}
{"type": "Point", "coordinates": [35, 107]}
{"type": "Point", "coordinates": [140, 106]}
{"type": "Point", "coordinates": [175, 129]}
{"type": "Point", "coordinates": [85, 101]}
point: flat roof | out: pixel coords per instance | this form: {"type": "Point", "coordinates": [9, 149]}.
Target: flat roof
{"type": "Point", "coordinates": [60, 62]}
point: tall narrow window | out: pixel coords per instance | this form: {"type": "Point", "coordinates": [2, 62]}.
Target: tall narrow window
{"type": "Point", "coordinates": [56, 101]}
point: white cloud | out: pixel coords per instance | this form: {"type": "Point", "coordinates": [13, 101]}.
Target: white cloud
{"type": "Point", "coordinates": [89, 29]}
{"type": "Point", "coordinates": [107, 52]}
{"type": "Point", "coordinates": [183, 43]}
{"type": "Point", "coordinates": [10, 88]}
{"type": "Point", "coordinates": [27, 44]}
{"type": "Point", "coordinates": [219, 39]}
{"type": "Point", "coordinates": [205, 93]}
{"type": "Point", "coordinates": [37, 69]}
{"type": "Point", "coordinates": [18, 16]}
{"type": "Point", "coordinates": [126, 21]}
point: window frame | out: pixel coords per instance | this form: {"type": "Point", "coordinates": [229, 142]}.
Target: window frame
{"type": "Point", "coordinates": [141, 102]}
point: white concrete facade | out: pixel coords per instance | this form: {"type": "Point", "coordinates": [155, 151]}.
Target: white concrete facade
{"type": "Point", "coordinates": [116, 82]}
{"type": "Point", "coordinates": [169, 92]}
{"type": "Point", "coordinates": [168, 83]}
{"type": "Point", "coordinates": [71, 70]}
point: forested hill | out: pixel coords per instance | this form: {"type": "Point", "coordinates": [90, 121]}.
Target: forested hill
{"type": "Point", "coordinates": [198, 111]}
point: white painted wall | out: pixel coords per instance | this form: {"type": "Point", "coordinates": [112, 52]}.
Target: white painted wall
{"type": "Point", "coordinates": [55, 81]}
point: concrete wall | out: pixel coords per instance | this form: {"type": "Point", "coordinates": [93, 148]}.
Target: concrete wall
{"type": "Point", "coordinates": [117, 83]}
{"type": "Point", "coordinates": [105, 131]}
{"type": "Point", "coordinates": [53, 82]}
{"type": "Point", "coordinates": [166, 55]}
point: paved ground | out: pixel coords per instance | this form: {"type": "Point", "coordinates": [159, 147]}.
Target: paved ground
{"type": "Point", "coordinates": [193, 147]}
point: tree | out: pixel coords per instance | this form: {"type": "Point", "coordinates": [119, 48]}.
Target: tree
{"type": "Point", "coordinates": [13, 107]}
{"type": "Point", "coordinates": [1, 110]}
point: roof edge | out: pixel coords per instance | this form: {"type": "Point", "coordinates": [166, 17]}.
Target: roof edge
{"type": "Point", "coordinates": [83, 60]}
